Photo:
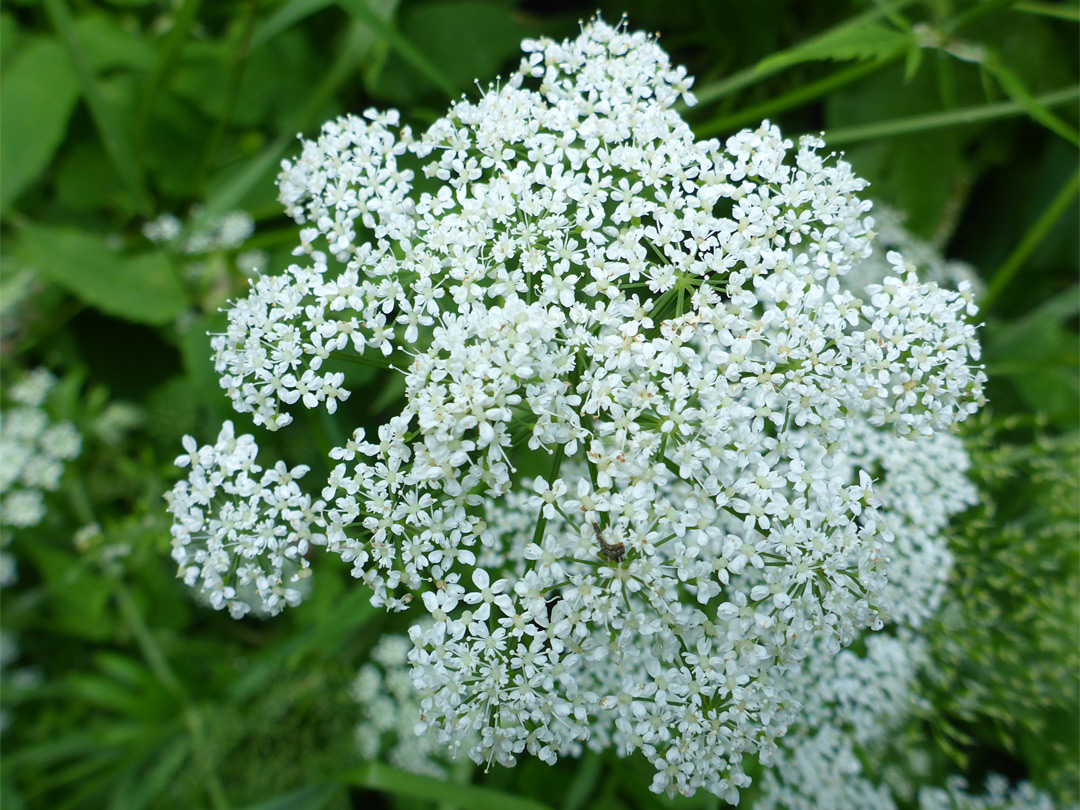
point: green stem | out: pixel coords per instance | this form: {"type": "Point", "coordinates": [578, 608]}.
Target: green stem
{"type": "Point", "coordinates": [794, 98]}
{"type": "Point", "coordinates": [950, 118]}
{"type": "Point", "coordinates": [379, 361]}
{"type": "Point", "coordinates": [167, 56]}
{"type": "Point", "coordinates": [356, 44]}
{"type": "Point", "coordinates": [1057, 207]}
{"type": "Point", "coordinates": [1061, 11]}
{"type": "Point", "coordinates": [236, 75]}
{"type": "Point", "coordinates": [556, 463]}
{"type": "Point", "coordinates": [360, 10]}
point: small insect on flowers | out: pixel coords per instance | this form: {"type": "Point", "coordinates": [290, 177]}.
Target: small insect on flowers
{"type": "Point", "coordinates": [610, 551]}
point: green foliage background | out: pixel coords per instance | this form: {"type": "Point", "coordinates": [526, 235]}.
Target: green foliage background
{"type": "Point", "coordinates": [962, 113]}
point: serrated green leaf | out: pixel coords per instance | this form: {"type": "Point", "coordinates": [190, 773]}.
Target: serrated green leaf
{"type": "Point", "coordinates": [37, 96]}
{"type": "Point", "coordinates": [870, 41]}
{"type": "Point", "coordinates": [139, 287]}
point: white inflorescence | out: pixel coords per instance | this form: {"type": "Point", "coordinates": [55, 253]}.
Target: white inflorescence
{"type": "Point", "coordinates": [240, 532]}
{"type": "Point", "coordinates": [34, 450]}
{"type": "Point", "coordinates": [567, 279]}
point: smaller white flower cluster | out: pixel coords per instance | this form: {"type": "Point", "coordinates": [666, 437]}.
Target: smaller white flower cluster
{"type": "Point", "coordinates": [34, 450]}
{"type": "Point", "coordinates": [240, 532]}
{"type": "Point", "coordinates": [226, 232]}
{"type": "Point", "coordinates": [390, 708]}
{"type": "Point", "coordinates": [1000, 795]}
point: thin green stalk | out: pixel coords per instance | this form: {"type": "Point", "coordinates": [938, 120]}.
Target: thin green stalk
{"type": "Point", "coordinates": [232, 95]}
{"type": "Point", "coordinates": [1038, 231]}
{"type": "Point", "coordinates": [114, 137]}
{"type": "Point", "coordinates": [976, 12]}
{"type": "Point", "coordinates": [369, 361]}
{"type": "Point", "coordinates": [168, 55]}
{"type": "Point", "coordinates": [285, 17]}
{"type": "Point", "coordinates": [949, 118]}
{"type": "Point", "coordinates": [789, 100]}
{"type": "Point", "coordinates": [556, 464]}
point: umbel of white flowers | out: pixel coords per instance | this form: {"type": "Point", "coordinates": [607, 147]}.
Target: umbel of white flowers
{"type": "Point", "coordinates": [559, 269]}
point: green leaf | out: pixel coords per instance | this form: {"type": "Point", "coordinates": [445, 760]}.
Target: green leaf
{"type": "Point", "coordinates": [111, 126]}
{"type": "Point", "coordinates": [80, 596]}
{"type": "Point", "coordinates": [108, 46]}
{"type": "Point", "coordinates": [37, 96]}
{"type": "Point", "coordinates": [465, 39]}
{"type": "Point", "coordinates": [377, 776]}
{"type": "Point", "coordinates": [870, 41]}
{"type": "Point", "coordinates": [160, 776]}
{"type": "Point", "coordinates": [139, 287]}
{"type": "Point", "coordinates": [107, 694]}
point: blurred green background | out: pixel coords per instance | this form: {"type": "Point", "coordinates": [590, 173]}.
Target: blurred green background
{"type": "Point", "coordinates": [125, 693]}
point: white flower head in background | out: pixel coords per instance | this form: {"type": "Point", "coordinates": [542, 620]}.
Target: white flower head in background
{"type": "Point", "coordinates": [565, 276]}
{"type": "Point", "coordinates": [34, 450]}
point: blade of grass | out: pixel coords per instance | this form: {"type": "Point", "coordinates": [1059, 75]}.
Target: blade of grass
{"type": "Point", "coordinates": [584, 783]}
{"type": "Point", "coordinates": [1015, 89]}
{"type": "Point", "coordinates": [360, 10]}
{"type": "Point", "coordinates": [377, 776]}
{"type": "Point", "coordinates": [168, 55]}
{"type": "Point", "coordinates": [1061, 11]}
{"type": "Point", "coordinates": [1049, 217]}
{"type": "Point", "coordinates": [114, 137]}
{"type": "Point", "coordinates": [950, 118]}
{"type": "Point", "coordinates": [284, 18]}
{"type": "Point", "coordinates": [236, 75]}
{"type": "Point", "coordinates": [193, 718]}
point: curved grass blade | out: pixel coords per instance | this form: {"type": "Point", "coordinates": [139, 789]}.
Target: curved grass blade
{"type": "Point", "coordinates": [377, 776]}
